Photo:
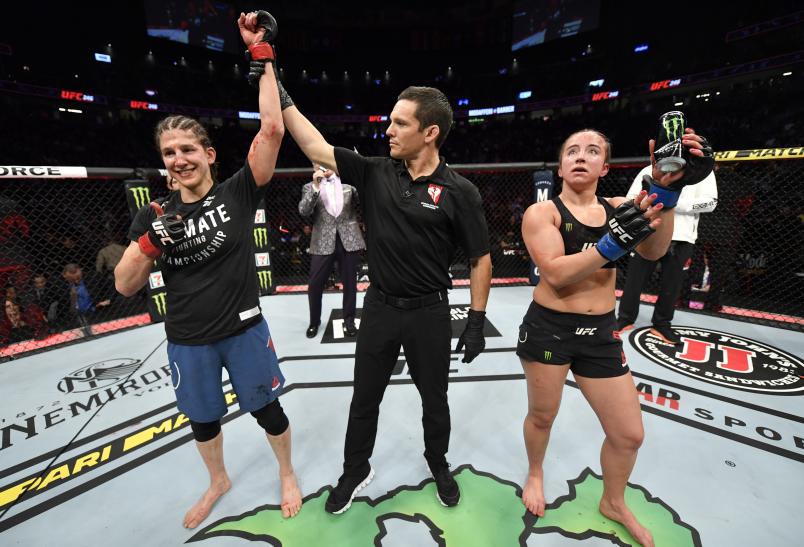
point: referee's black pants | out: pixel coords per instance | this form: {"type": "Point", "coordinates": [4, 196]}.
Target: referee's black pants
{"type": "Point", "coordinates": [425, 335]}
{"type": "Point", "coordinates": [672, 278]}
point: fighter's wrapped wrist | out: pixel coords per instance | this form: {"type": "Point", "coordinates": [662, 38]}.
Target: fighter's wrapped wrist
{"type": "Point", "coordinates": [147, 246]}
{"type": "Point", "coordinates": [665, 195]}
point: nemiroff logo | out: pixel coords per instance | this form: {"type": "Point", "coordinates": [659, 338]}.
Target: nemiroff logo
{"type": "Point", "coordinates": [98, 375]}
{"type": "Point", "coordinates": [726, 360]}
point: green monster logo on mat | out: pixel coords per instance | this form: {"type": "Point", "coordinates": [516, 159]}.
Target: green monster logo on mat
{"type": "Point", "coordinates": [490, 513]}
{"type": "Point", "coordinates": [265, 279]}
{"type": "Point", "coordinates": [260, 237]}
{"type": "Point", "coordinates": [142, 195]}
{"type": "Point", "coordinates": [673, 127]}
{"type": "Point", "coordinates": [160, 301]}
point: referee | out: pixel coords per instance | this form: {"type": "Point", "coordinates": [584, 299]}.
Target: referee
{"type": "Point", "coordinates": [417, 212]}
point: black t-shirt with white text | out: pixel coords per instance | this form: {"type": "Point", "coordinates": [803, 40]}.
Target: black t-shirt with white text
{"type": "Point", "coordinates": [210, 275]}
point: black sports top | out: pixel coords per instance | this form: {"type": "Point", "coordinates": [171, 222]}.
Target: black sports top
{"type": "Point", "coordinates": [578, 236]}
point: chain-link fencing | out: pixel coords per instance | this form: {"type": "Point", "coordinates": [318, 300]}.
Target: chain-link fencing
{"type": "Point", "coordinates": [61, 238]}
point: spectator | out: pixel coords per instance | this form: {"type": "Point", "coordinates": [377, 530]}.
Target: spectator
{"type": "Point", "coordinates": [108, 257]}
{"type": "Point", "coordinates": [82, 299]}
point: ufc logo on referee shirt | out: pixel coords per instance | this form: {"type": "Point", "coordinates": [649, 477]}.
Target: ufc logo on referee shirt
{"type": "Point", "coordinates": [585, 331]}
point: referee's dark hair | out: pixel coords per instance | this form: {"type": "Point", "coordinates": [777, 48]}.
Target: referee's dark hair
{"type": "Point", "coordinates": [432, 108]}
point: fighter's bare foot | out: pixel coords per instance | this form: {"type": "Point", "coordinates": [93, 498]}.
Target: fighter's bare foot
{"type": "Point", "coordinates": [291, 495]}
{"type": "Point", "coordinates": [622, 514]}
{"type": "Point", "coordinates": [533, 494]}
{"type": "Point", "coordinates": [201, 509]}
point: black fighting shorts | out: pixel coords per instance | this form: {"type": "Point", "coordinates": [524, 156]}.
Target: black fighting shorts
{"type": "Point", "coordinates": [586, 342]}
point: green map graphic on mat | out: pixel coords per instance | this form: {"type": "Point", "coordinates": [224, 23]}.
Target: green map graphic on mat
{"type": "Point", "coordinates": [490, 513]}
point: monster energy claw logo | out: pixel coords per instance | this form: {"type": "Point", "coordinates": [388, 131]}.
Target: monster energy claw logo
{"type": "Point", "coordinates": [568, 226]}
{"type": "Point", "coordinates": [548, 355]}
{"type": "Point", "coordinates": [160, 301]}
{"type": "Point", "coordinates": [260, 237]}
{"type": "Point", "coordinates": [142, 195]}
{"type": "Point", "coordinates": [265, 279]}
{"type": "Point", "coordinates": [673, 123]}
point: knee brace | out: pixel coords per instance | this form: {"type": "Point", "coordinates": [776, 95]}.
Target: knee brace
{"type": "Point", "coordinates": [205, 431]}
{"type": "Point", "coordinates": [272, 418]}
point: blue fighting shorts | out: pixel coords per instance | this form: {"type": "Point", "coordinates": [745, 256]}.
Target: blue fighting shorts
{"type": "Point", "coordinates": [250, 360]}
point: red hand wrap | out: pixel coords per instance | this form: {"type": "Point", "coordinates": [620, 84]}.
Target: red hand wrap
{"type": "Point", "coordinates": [147, 246]}
{"type": "Point", "coordinates": [262, 51]}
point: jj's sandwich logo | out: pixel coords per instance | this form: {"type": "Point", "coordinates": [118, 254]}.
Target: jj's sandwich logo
{"type": "Point", "coordinates": [98, 375]}
{"type": "Point", "coordinates": [726, 360]}
{"type": "Point", "coordinates": [141, 195]}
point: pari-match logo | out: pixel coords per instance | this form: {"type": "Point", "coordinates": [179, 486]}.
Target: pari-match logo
{"type": "Point", "coordinates": [726, 360]}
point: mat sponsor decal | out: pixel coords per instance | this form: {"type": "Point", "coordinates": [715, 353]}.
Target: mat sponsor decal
{"type": "Point", "coordinates": [459, 313]}
{"type": "Point", "coordinates": [490, 513]}
{"type": "Point", "coordinates": [725, 359]}
{"type": "Point", "coordinates": [81, 392]}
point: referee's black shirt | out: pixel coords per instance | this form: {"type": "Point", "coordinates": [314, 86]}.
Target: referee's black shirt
{"type": "Point", "coordinates": [414, 226]}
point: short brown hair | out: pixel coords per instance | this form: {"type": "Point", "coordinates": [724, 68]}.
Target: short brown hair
{"type": "Point", "coordinates": [596, 132]}
{"type": "Point", "coordinates": [432, 108]}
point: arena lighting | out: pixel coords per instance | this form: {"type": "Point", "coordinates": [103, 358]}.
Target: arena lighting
{"type": "Point", "coordinates": [72, 110]}
{"type": "Point", "coordinates": [248, 115]}
{"type": "Point", "coordinates": [664, 84]}
{"type": "Point", "coordinates": [150, 92]}
{"type": "Point", "coordinates": [640, 48]}
{"type": "Point", "coordinates": [679, 103]}
{"type": "Point", "coordinates": [377, 118]}
{"type": "Point", "coordinates": [788, 73]}
{"type": "Point", "coordinates": [77, 96]}
{"type": "Point", "coordinates": [603, 95]}
{"type": "Point", "coordinates": [597, 83]}
{"type": "Point", "coordinates": [143, 105]}
{"type": "Point", "coordinates": [462, 102]}
{"type": "Point", "coordinates": [525, 94]}
{"type": "Point", "coordinates": [103, 58]}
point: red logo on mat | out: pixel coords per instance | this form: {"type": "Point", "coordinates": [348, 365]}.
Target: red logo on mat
{"type": "Point", "coordinates": [435, 192]}
{"type": "Point", "coordinates": [275, 384]}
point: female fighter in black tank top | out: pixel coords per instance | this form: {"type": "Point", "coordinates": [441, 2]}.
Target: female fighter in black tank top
{"type": "Point", "coordinates": [578, 236]}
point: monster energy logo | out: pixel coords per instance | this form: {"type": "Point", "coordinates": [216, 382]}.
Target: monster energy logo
{"type": "Point", "coordinates": [265, 279]}
{"type": "Point", "coordinates": [673, 123]}
{"type": "Point", "coordinates": [548, 355]}
{"type": "Point", "coordinates": [568, 226]}
{"type": "Point", "coordinates": [260, 237]}
{"type": "Point", "coordinates": [142, 195]}
{"type": "Point", "coordinates": [160, 301]}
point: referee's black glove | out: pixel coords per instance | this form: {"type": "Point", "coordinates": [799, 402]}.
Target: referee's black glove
{"type": "Point", "coordinates": [472, 336]}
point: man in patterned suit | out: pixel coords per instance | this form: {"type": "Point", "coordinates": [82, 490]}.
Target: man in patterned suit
{"type": "Point", "coordinates": [336, 237]}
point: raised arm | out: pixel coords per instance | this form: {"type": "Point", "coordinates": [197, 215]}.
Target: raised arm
{"type": "Point", "coordinates": [309, 139]}
{"type": "Point", "coordinates": [256, 31]}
